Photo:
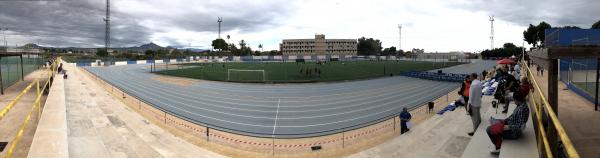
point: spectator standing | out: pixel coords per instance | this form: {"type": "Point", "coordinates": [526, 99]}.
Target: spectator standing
{"type": "Point", "coordinates": [404, 118]}
{"type": "Point", "coordinates": [510, 87]}
{"type": "Point", "coordinates": [511, 127]}
{"type": "Point", "coordinates": [475, 102]}
{"type": "Point", "coordinates": [430, 107]}
{"type": "Point", "coordinates": [484, 74]}
{"type": "Point", "coordinates": [464, 91]}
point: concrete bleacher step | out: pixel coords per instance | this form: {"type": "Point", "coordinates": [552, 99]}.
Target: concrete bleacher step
{"type": "Point", "coordinates": [525, 146]}
{"type": "Point", "coordinates": [479, 146]}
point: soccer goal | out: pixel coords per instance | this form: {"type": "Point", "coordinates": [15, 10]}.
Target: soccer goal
{"type": "Point", "coordinates": [246, 75]}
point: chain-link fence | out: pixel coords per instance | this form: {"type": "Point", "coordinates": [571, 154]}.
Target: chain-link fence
{"type": "Point", "coordinates": [579, 75]}
{"type": "Point", "coordinates": [13, 69]}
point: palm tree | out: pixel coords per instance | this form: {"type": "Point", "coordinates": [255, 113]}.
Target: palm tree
{"type": "Point", "coordinates": [228, 39]}
{"type": "Point", "coordinates": [260, 46]}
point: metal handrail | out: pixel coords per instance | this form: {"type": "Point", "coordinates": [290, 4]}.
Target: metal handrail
{"type": "Point", "coordinates": [36, 105]}
{"type": "Point", "coordinates": [568, 145]}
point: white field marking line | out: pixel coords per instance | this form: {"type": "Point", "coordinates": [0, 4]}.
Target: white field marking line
{"type": "Point", "coordinates": [384, 94]}
{"type": "Point", "coordinates": [315, 86]}
{"type": "Point", "coordinates": [298, 111]}
{"type": "Point", "coordinates": [333, 87]}
{"type": "Point", "coordinates": [254, 105]}
{"type": "Point", "coordinates": [276, 116]}
{"type": "Point", "coordinates": [269, 126]}
{"type": "Point", "coordinates": [236, 90]}
{"type": "Point", "coordinates": [212, 87]}
{"type": "Point", "coordinates": [372, 100]}
{"type": "Point", "coordinates": [363, 92]}
{"type": "Point", "coordinates": [186, 111]}
{"type": "Point", "coordinates": [290, 118]}
{"type": "Point", "coordinates": [309, 105]}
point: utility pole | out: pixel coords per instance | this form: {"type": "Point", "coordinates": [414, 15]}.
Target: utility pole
{"type": "Point", "coordinates": [219, 20]}
{"type": "Point", "coordinates": [400, 37]}
{"type": "Point", "coordinates": [4, 36]}
{"type": "Point", "coordinates": [492, 32]}
{"type": "Point", "coordinates": [107, 31]}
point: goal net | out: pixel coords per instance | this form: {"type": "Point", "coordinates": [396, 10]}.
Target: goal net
{"type": "Point", "coordinates": [246, 75]}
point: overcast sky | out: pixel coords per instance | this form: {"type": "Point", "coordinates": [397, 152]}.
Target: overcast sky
{"type": "Point", "coordinates": [434, 25]}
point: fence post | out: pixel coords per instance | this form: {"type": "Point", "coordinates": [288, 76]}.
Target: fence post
{"type": "Point", "coordinates": [597, 77]}
{"type": "Point", "coordinates": [1, 80]}
{"type": "Point", "coordinates": [22, 73]}
{"type": "Point", "coordinates": [344, 137]}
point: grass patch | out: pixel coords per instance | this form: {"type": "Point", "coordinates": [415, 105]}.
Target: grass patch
{"type": "Point", "coordinates": [297, 72]}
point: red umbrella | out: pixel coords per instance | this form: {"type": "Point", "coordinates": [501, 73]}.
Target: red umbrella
{"type": "Point", "coordinates": [505, 61]}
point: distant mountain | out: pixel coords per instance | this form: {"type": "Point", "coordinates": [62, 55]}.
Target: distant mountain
{"type": "Point", "coordinates": [138, 49]}
{"type": "Point", "coordinates": [151, 46]}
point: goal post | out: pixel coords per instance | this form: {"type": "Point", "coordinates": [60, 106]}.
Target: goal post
{"type": "Point", "coordinates": [246, 75]}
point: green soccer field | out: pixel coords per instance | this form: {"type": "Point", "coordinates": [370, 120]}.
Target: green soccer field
{"type": "Point", "coordinates": [297, 72]}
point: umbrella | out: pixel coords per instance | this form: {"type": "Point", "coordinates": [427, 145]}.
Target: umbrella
{"type": "Point", "coordinates": [505, 61]}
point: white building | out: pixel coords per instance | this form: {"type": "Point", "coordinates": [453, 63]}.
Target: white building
{"type": "Point", "coordinates": [318, 46]}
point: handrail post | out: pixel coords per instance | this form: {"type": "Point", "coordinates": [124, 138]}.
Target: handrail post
{"type": "Point", "coordinates": [553, 101]}
{"type": "Point", "coordinates": [38, 95]}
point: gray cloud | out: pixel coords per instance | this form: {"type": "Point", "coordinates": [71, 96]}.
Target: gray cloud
{"type": "Point", "coordinates": [79, 23]}
{"type": "Point", "coordinates": [582, 13]}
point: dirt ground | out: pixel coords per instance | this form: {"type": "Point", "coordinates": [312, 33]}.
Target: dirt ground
{"type": "Point", "coordinates": [11, 123]}
{"type": "Point", "coordinates": [578, 117]}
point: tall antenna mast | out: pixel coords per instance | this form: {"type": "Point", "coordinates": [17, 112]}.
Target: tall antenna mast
{"type": "Point", "coordinates": [400, 37]}
{"type": "Point", "coordinates": [107, 31]}
{"type": "Point", "coordinates": [220, 19]}
{"type": "Point", "coordinates": [492, 32]}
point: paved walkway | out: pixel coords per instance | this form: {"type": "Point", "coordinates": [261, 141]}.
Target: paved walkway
{"type": "Point", "coordinates": [579, 119]}
{"type": "Point", "coordinates": [101, 126]}
{"type": "Point", "coordinates": [10, 124]}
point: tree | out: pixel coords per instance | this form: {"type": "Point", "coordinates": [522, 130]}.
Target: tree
{"type": "Point", "coordinates": [596, 25]}
{"type": "Point", "coordinates": [260, 46]}
{"type": "Point", "coordinates": [228, 37]}
{"type": "Point", "coordinates": [219, 44]}
{"type": "Point", "coordinates": [541, 35]}
{"type": "Point", "coordinates": [509, 45]}
{"type": "Point", "coordinates": [242, 44]}
{"type": "Point", "coordinates": [243, 49]}
{"type": "Point", "coordinates": [101, 53]}
{"type": "Point", "coordinates": [530, 35]}
{"type": "Point", "coordinates": [368, 46]}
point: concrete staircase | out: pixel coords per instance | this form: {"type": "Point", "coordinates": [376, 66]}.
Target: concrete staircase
{"type": "Point", "coordinates": [480, 144]}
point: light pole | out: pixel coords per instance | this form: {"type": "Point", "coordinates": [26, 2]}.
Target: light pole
{"type": "Point", "coordinates": [4, 36]}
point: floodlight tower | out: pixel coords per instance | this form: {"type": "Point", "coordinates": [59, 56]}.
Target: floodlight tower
{"type": "Point", "coordinates": [400, 37]}
{"type": "Point", "coordinates": [220, 19]}
{"type": "Point", "coordinates": [492, 32]}
{"type": "Point", "coordinates": [107, 31]}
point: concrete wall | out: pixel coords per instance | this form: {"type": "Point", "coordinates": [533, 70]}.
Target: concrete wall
{"type": "Point", "coordinates": [121, 63]}
{"type": "Point", "coordinates": [50, 139]}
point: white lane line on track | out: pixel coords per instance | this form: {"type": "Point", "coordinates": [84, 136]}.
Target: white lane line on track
{"type": "Point", "coordinates": [276, 116]}
{"type": "Point", "coordinates": [262, 125]}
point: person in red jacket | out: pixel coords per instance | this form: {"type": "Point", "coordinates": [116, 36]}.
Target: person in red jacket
{"type": "Point", "coordinates": [464, 92]}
